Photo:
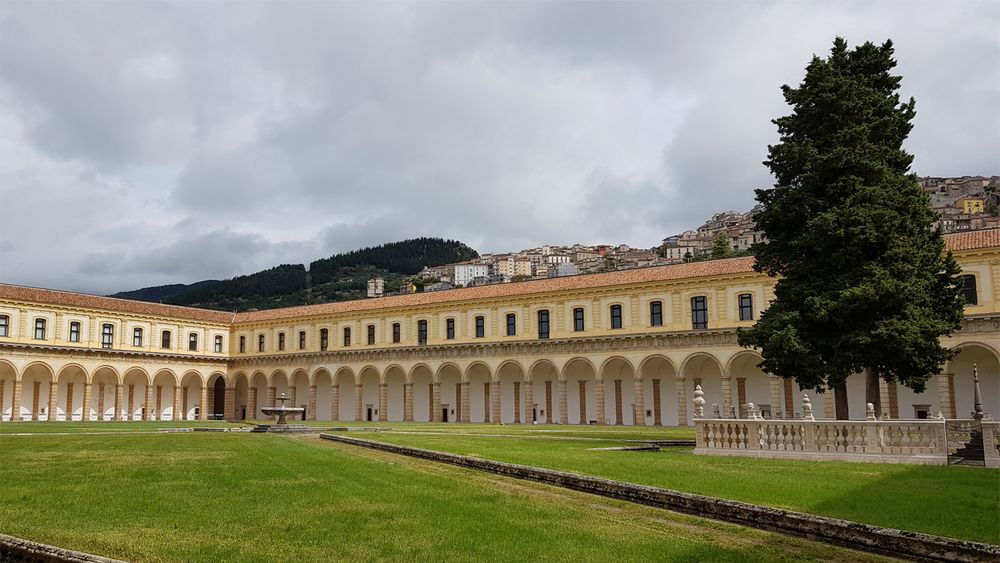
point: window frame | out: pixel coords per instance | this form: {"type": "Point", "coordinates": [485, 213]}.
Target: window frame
{"type": "Point", "coordinates": [281, 341]}
{"type": "Point", "coordinates": [107, 335]}
{"type": "Point", "coordinates": [480, 321]}
{"type": "Point", "coordinates": [137, 337]}
{"type": "Point", "coordinates": [5, 325]}
{"type": "Point", "coordinates": [546, 323]}
{"type": "Point", "coordinates": [579, 319]}
{"type": "Point", "coordinates": [324, 339]}
{"type": "Point", "coordinates": [243, 344]}
{"type": "Point", "coordinates": [40, 327]}
{"type": "Point", "coordinates": [616, 316]}
{"type": "Point", "coordinates": [449, 328]}
{"type": "Point", "coordinates": [371, 335]}
{"type": "Point", "coordinates": [166, 339]}
{"type": "Point", "coordinates": [699, 312]}
{"type": "Point", "coordinates": [967, 287]}
{"type": "Point", "coordinates": [261, 343]}
{"type": "Point", "coordinates": [302, 340]}
{"type": "Point", "coordinates": [192, 342]}
{"type": "Point", "coordinates": [347, 336]}
{"type": "Point", "coordinates": [74, 335]}
{"type": "Point", "coordinates": [422, 332]}
{"type": "Point", "coordinates": [656, 313]}
{"type": "Point", "coordinates": [745, 309]}
{"type": "Point", "coordinates": [397, 333]}
{"type": "Point", "coordinates": [218, 343]}
{"type": "Point", "coordinates": [511, 324]}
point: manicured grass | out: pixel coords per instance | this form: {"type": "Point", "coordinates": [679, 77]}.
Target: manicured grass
{"type": "Point", "coordinates": [80, 427]}
{"type": "Point", "coordinates": [249, 497]}
{"type": "Point", "coordinates": [960, 502]}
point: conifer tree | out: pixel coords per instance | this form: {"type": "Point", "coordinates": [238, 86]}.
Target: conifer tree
{"type": "Point", "coordinates": [865, 285]}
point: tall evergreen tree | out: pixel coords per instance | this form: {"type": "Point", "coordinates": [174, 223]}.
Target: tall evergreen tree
{"type": "Point", "coordinates": [864, 285]}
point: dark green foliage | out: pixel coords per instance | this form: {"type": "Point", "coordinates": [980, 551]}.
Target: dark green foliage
{"type": "Point", "coordinates": [721, 247]}
{"type": "Point", "coordinates": [164, 293]}
{"type": "Point", "coordinates": [280, 280]}
{"type": "Point", "coordinates": [406, 257]}
{"type": "Point", "coordinates": [864, 284]}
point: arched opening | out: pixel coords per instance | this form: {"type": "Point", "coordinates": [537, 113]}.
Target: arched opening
{"type": "Point", "coordinates": [37, 392]}
{"type": "Point", "coordinates": [620, 402]}
{"type": "Point", "coordinates": [277, 387]}
{"type": "Point", "coordinates": [70, 405]}
{"type": "Point", "coordinates": [369, 380]}
{"type": "Point", "coordinates": [102, 392]}
{"type": "Point", "coordinates": [395, 380]}
{"type": "Point", "coordinates": [581, 378]}
{"type": "Point", "coordinates": [324, 394]}
{"type": "Point", "coordinates": [343, 380]}
{"type": "Point", "coordinates": [751, 385]}
{"type": "Point", "coordinates": [450, 381]}
{"type": "Point", "coordinates": [478, 375]}
{"type": "Point", "coordinates": [8, 375]}
{"type": "Point", "coordinates": [658, 379]}
{"type": "Point", "coordinates": [133, 401]}
{"type": "Point", "coordinates": [298, 392]}
{"type": "Point", "coordinates": [190, 400]}
{"type": "Point", "coordinates": [545, 393]}
{"type": "Point", "coordinates": [241, 390]}
{"type": "Point", "coordinates": [423, 382]}
{"type": "Point", "coordinates": [257, 396]}
{"type": "Point", "coordinates": [510, 378]}
{"type": "Point", "coordinates": [164, 385]}
{"type": "Point", "coordinates": [986, 363]}
{"type": "Point", "coordinates": [217, 396]}
{"type": "Point", "coordinates": [703, 369]}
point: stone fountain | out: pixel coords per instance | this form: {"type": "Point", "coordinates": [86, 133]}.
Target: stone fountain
{"type": "Point", "coordinates": [282, 411]}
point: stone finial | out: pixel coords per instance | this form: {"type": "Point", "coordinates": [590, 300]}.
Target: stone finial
{"type": "Point", "coordinates": [807, 408]}
{"type": "Point", "coordinates": [715, 410]}
{"type": "Point", "coordinates": [977, 395]}
{"type": "Point", "coordinates": [870, 411]}
{"type": "Point", "coordinates": [752, 411]}
{"type": "Point", "coordinates": [699, 402]}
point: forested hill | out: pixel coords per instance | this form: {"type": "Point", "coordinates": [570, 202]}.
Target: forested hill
{"type": "Point", "coordinates": [338, 278]}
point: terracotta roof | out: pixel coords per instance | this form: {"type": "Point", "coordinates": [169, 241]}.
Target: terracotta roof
{"type": "Point", "coordinates": [970, 240]}
{"type": "Point", "coordinates": [54, 297]}
{"type": "Point", "coordinates": [607, 279]}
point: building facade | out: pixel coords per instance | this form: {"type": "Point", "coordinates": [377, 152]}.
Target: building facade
{"type": "Point", "coordinates": [622, 347]}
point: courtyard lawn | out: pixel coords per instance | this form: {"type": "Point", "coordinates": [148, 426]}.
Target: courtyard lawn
{"type": "Point", "coordinates": [252, 497]}
{"type": "Point", "coordinates": [82, 427]}
{"type": "Point", "coordinates": [960, 502]}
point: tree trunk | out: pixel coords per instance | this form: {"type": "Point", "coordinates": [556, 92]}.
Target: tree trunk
{"type": "Point", "coordinates": [872, 393]}
{"type": "Point", "coordinates": [840, 401]}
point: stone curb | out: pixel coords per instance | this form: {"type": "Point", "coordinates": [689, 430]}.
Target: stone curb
{"type": "Point", "coordinates": [845, 533]}
{"type": "Point", "coordinates": [17, 549]}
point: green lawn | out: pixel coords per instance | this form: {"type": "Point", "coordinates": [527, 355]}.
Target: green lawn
{"type": "Point", "coordinates": [253, 497]}
{"type": "Point", "coordinates": [961, 502]}
{"type": "Point", "coordinates": [83, 427]}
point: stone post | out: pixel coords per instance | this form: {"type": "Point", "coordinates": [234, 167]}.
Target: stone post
{"type": "Point", "coordinates": [774, 385]}
{"type": "Point", "coordinates": [272, 396]}
{"type": "Point", "coordinates": [517, 402]}
{"type": "Point", "coordinates": [599, 400]}
{"type": "Point", "coordinates": [3, 396]}
{"type": "Point", "coordinates": [148, 411]}
{"type": "Point", "coordinates": [383, 402]}
{"type": "Point", "coordinates": [466, 407]}
{"type": "Point", "coordinates": [358, 401]}
{"type": "Point", "coordinates": [549, 417]}
{"type": "Point", "coordinates": [977, 396]}
{"type": "Point", "coordinates": [335, 402]}
{"type": "Point", "coordinates": [407, 402]}
{"type": "Point", "coordinates": [175, 412]}
{"type": "Point", "coordinates": [436, 402]}
{"type": "Point", "coordinates": [487, 404]}
{"type": "Point", "coordinates": [680, 388]}
{"type": "Point", "coordinates": [252, 403]}
{"type": "Point", "coordinates": [53, 397]}
{"type": "Point", "coordinates": [529, 403]}
{"type": "Point", "coordinates": [495, 402]}
{"type": "Point", "coordinates": [583, 402]}
{"type": "Point", "coordinates": [311, 415]}
{"type": "Point", "coordinates": [639, 416]}
{"type": "Point", "coordinates": [829, 404]}
{"type": "Point", "coordinates": [119, 390]}
{"type": "Point", "coordinates": [203, 406]}
{"type": "Point", "coordinates": [618, 403]}
{"type": "Point", "coordinates": [563, 403]}
{"type": "Point", "coordinates": [69, 401]}
{"type": "Point", "coordinates": [229, 404]}
{"type": "Point", "coordinates": [884, 403]}
{"type": "Point", "coordinates": [727, 394]}
{"type": "Point", "coordinates": [86, 402]}
{"type": "Point", "coordinates": [15, 405]}
{"type": "Point", "coordinates": [657, 410]}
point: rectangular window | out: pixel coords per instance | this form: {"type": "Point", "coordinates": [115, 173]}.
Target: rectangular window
{"type": "Point", "coordinates": [511, 324]}
{"type": "Point", "coordinates": [74, 332]}
{"type": "Point", "coordinates": [578, 319]}
{"type": "Point", "coordinates": [324, 339]}
{"type": "Point", "coordinates": [281, 341]}
{"type": "Point", "coordinates": [450, 329]}
{"type": "Point", "coordinates": [699, 313]}
{"type": "Point", "coordinates": [243, 344]}
{"type": "Point", "coordinates": [39, 329]}
{"type": "Point", "coordinates": [107, 335]}
{"type": "Point", "coordinates": [969, 290]}
{"type": "Point", "coordinates": [4, 325]}
{"type": "Point", "coordinates": [656, 313]}
{"type": "Point", "coordinates": [480, 327]}
{"type": "Point", "coordinates": [137, 337]}
{"type": "Point", "coordinates": [396, 336]}
{"type": "Point", "coordinates": [165, 339]}
{"type": "Point", "coordinates": [218, 344]}
{"type": "Point", "coordinates": [421, 332]}
{"type": "Point", "coordinates": [616, 316]}
{"type": "Point", "coordinates": [192, 342]}
{"type": "Point", "coordinates": [746, 307]}
{"type": "Point", "coordinates": [302, 340]}
{"type": "Point", "coordinates": [260, 342]}
{"type": "Point", "coordinates": [543, 324]}
{"type": "Point", "coordinates": [371, 335]}
{"type": "Point", "coordinates": [347, 336]}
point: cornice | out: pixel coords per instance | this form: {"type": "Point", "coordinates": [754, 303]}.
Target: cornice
{"type": "Point", "coordinates": [108, 354]}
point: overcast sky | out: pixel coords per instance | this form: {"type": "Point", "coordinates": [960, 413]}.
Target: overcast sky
{"type": "Point", "coordinates": [148, 143]}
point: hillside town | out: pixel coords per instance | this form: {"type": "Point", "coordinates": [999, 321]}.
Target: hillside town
{"type": "Point", "coordinates": [964, 203]}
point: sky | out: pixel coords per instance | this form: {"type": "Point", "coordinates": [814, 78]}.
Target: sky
{"type": "Point", "coordinates": [146, 143]}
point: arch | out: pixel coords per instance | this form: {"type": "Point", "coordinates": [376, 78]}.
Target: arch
{"type": "Point", "coordinates": [508, 364]}
{"type": "Point", "coordinates": [38, 392]}
{"type": "Point", "coordinates": [298, 390]}
{"type": "Point", "coordinates": [751, 385]}
{"type": "Point", "coordinates": [702, 368]}
{"type": "Point", "coordinates": [621, 403]}
{"type": "Point", "coordinates": [136, 382]}
{"type": "Point", "coordinates": [510, 378]}
{"type": "Point", "coordinates": [478, 375]}
{"type": "Point", "coordinates": [369, 379]}
{"type": "Point", "coordinates": [278, 378]}
{"type": "Point", "coordinates": [216, 397]}
{"type": "Point", "coordinates": [394, 378]}
{"type": "Point", "coordinates": [241, 396]}
{"type": "Point", "coordinates": [323, 380]}
{"type": "Point", "coordinates": [137, 369]}
{"type": "Point", "coordinates": [610, 362]}
{"type": "Point", "coordinates": [215, 374]}
{"type": "Point", "coordinates": [449, 381]}
{"type": "Point", "coordinates": [659, 376]}
{"type": "Point", "coordinates": [345, 380]}
{"type": "Point", "coordinates": [164, 390]}
{"type": "Point", "coordinates": [986, 361]}
{"type": "Point", "coordinates": [40, 366]}
{"type": "Point", "coordinates": [103, 382]}
{"type": "Point", "coordinates": [393, 367]}
{"type": "Point", "coordinates": [418, 366]}
{"type": "Point", "coordinates": [421, 379]}
{"type": "Point", "coordinates": [69, 389]}
{"type": "Point", "coordinates": [644, 363]}
{"type": "Point", "coordinates": [443, 366]}
{"type": "Point", "coordinates": [257, 398]}
{"type": "Point", "coordinates": [192, 383]}
{"type": "Point", "coordinates": [545, 382]}
{"type": "Point", "coordinates": [8, 376]}
{"type": "Point", "coordinates": [580, 376]}
{"type": "Point", "coordinates": [341, 373]}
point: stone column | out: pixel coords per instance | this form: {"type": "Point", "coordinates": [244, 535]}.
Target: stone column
{"type": "Point", "coordinates": [893, 401]}
{"type": "Point", "coordinates": [436, 401]}
{"type": "Point", "coordinates": [335, 402]}
{"type": "Point", "coordinates": [563, 403]}
{"type": "Point", "coordinates": [640, 403]}
{"type": "Point", "coordinates": [15, 404]}
{"type": "Point", "coordinates": [119, 390]}
{"type": "Point", "coordinates": [529, 402]}
{"type": "Point", "coordinates": [204, 403]}
{"type": "Point", "coordinates": [495, 402]}
{"type": "Point", "coordinates": [458, 402]}
{"type": "Point", "coordinates": [383, 402]}
{"type": "Point", "coordinates": [229, 404]}
{"type": "Point", "coordinates": [69, 402]}
{"type": "Point", "coordinates": [53, 396]}
{"type": "Point", "coordinates": [487, 404]}
{"type": "Point", "coordinates": [466, 403]}
{"type": "Point", "coordinates": [829, 404]}
{"type": "Point", "coordinates": [774, 385]}
{"type": "Point", "coordinates": [618, 403]}
{"type": "Point", "coordinates": [727, 394]}
{"type": "Point", "coordinates": [882, 407]}
{"type": "Point", "coordinates": [86, 402]}
{"type": "Point", "coordinates": [208, 406]}
{"type": "Point", "coordinates": [157, 414]}
{"type": "Point", "coordinates": [657, 410]}
{"type": "Point", "coordinates": [311, 415]}
{"type": "Point", "coordinates": [252, 403]}
{"type": "Point", "coordinates": [682, 408]}
{"type": "Point", "coordinates": [583, 402]}
{"type": "Point", "coordinates": [358, 401]}
{"type": "Point", "coordinates": [272, 396]}
{"type": "Point", "coordinates": [148, 411]}
{"type": "Point", "coordinates": [599, 400]}
{"type": "Point", "coordinates": [741, 397]}
{"type": "Point", "coordinates": [517, 402]}
{"type": "Point", "coordinates": [407, 402]}
{"type": "Point", "coordinates": [789, 399]}
{"type": "Point", "coordinates": [3, 397]}
{"type": "Point", "coordinates": [176, 413]}
{"type": "Point", "coordinates": [946, 394]}
{"type": "Point", "coordinates": [548, 402]}
{"type": "Point", "coordinates": [293, 399]}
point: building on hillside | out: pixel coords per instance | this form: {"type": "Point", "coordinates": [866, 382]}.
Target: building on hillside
{"type": "Point", "coordinates": [970, 205]}
{"type": "Point", "coordinates": [376, 287]}
{"type": "Point", "coordinates": [465, 272]}
{"type": "Point", "coordinates": [621, 347]}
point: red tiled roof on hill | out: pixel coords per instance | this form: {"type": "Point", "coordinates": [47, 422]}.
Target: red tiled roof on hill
{"type": "Point", "coordinates": [55, 297]}
{"type": "Point", "coordinates": [970, 240]}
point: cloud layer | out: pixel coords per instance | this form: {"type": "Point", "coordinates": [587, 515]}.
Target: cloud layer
{"type": "Point", "coordinates": [151, 143]}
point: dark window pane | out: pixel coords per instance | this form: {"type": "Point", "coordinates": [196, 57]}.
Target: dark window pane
{"type": "Point", "coordinates": [395, 333]}
{"type": "Point", "coordinates": [511, 324]}
{"type": "Point", "coordinates": [578, 319]}
{"type": "Point", "coordinates": [450, 328]}
{"type": "Point", "coordinates": [969, 290]}
{"type": "Point", "coordinates": [421, 333]}
{"type": "Point", "coordinates": [699, 312]}
{"type": "Point", "coordinates": [616, 316]}
{"type": "Point", "coordinates": [480, 327]}
{"type": "Point", "coordinates": [543, 324]}
{"type": "Point", "coordinates": [746, 307]}
{"type": "Point", "coordinates": [656, 313]}
{"type": "Point", "coordinates": [371, 334]}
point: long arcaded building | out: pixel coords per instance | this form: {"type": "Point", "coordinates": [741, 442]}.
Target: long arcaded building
{"type": "Point", "coordinates": [624, 347]}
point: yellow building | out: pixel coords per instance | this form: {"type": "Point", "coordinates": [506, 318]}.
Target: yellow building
{"type": "Point", "coordinates": [970, 205]}
{"type": "Point", "coordinates": [624, 347]}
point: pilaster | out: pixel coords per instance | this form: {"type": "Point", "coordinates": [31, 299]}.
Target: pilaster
{"type": "Point", "coordinates": [618, 403]}
{"type": "Point", "coordinates": [680, 388]}
{"type": "Point", "coordinates": [53, 395]}
{"type": "Point", "coordinates": [148, 411]}
{"type": "Point", "coordinates": [529, 403]}
{"type": "Point", "coordinates": [311, 415]}
{"type": "Point", "coordinates": [407, 402]}
{"type": "Point", "coordinates": [272, 396]}
{"type": "Point", "coordinates": [583, 402]}
{"type": "Point", "coordinates": [657, 407]}
{"type": "Point", "coordinates": [358, 400]}
{"type": "Point", "coordinates": [252, 403]}
{"type": "Point", "coordinates": [517, 402]}
{"type": "Point", "coordinates": [335, 402]}
{"type": "Point", "coordinates": [946, 394]}
{"type": "Point", "coordinates": [727, 394]}
{"type": "Point", "coordinates": [383, 402]}
{"type": "Point", "coordinates": [563, 403]}
{"type": "Point", "coordinates": [119, 391]}
{"type": "Point", "coordinates": [495, 401]}
{"type": "Point", "coordinates": [599, 400]}
{"type": "Point", "coordinates": [203, 405]}
{"type": "Point", "coordinates": [639, 417]}
{"type": "Point", "coordinates": [436, 401]}
{"type": "Point", "coordinates": [15, 405]}
{"type": "Point", "coordinates": [466, 406]}
{"type": "Point", "coordinates": [175, 413]}
{"type": "Point", "coordinates": [774, 385]}
{"type": "Point", "coordinates": [229, 404]}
